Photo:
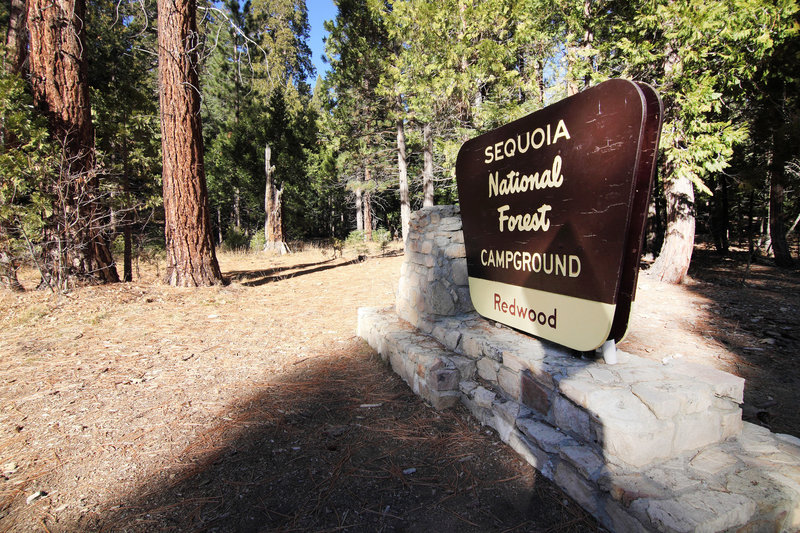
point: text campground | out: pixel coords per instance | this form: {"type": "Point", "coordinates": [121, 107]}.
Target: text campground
{"type": "Point", "coordinates": [547, 263]}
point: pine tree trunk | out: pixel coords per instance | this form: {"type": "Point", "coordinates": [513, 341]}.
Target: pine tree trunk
{"type": "Point", "coordinates": [402, 172]}
{"type": "Point", "coordinates": [237, 215]}
{"type": "Point", "coordinates": [427, 169]}
{"type": "Point", "coordinates": [16, 37]}
{"type": "Point", "coordinates": [191, 260]}
{"type": "Point", "coordinates": [367, 206]}
{"type": "Point", "coordinates": [127, 237]}
{"type": "Point", "coordinates": [268, 230]}
{"type": "Point", "coordinates": [673, 262]}
{"type": "Point", "coordinates": [8, 273]}
{"type": "Point", "coordinates": [77, 247]}
{"type": "Point", "coordinates": [719, 215]}
{"type": "Point", "coordinates": [16, 40]}
{"type": "Point", "coordinates": [273, 223]}
{"type": "Point", "coordinates": [277, 221]}
{"type": "Point", "coordinates": [219, 225]}
{"type": "Point", "coordinates": [777, 224]}
{"type": "Point", "coordinates": [359, 210]}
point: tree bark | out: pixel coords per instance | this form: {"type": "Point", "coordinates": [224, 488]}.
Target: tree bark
{"type": "Point", "coordinates": [367, 206]}
{"type": "Point", "coordinates": [719, 215]}
{"type": "Point", "coordinates": [673, 262]}
{"type": "Point", "coordinates": [359, 209]}
{"type": "Point", "coordinates": [16, 45]}
{"type": "Point", "coordinates": [402, 172]}
{"type": "Point", "coordinates": [16, 37]}
{"type": "Point", "coordinates": [237, 215]}
{"type": "Point", "coordinates": [8, 272]}
{"type": "Point", "coordinates": [219, 225]}
{"type": "Point", "coordinates": [268, 230]}
{"type": "Point", "coordinates": [127, 222]}
{"type": "Point", "coordinates": [273, 223]}
{"type": "Point", "coordinates": [191, 260]}
{"type": "Point", "coordinates": [777, 224]}
{"type": "Point", "coordinates": [427, 169]}
{"type": "Point", "coordinates": [77, 246]}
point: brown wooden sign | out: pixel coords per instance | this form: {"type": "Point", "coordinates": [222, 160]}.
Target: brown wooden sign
{"type": "Point", "coordinates": [554, 208]}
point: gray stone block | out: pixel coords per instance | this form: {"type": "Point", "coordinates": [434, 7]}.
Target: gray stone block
{"type": "Point", "coordinates": [443, 399]}
{"type": "Point", "coordinates": [696, 430]}
{"type": "Point", "coordinates": [713, 461]}
{"type": "Point", "coordinates": [439, 300]}
{"type": "Point", "coordinates": [459, 272]}
{"type": "Point", "coordinates": [578, 488]}
{"type": "Point", "coordinates": [660, 398]}
{"type": "Point", "coordinates": [466, 367]}
{"type": "Point", "coordinates": [570, 418]}
{"type": "Point", "coordinates": [507, 409]}
{"type": "Point", "coordinates": [450, 224]}
{"type": "Point", "coordinates": [722, 383]}
{"type": "Point", "coordinates": [483, 397]}
{"type": "Point", "coordinates": [487, 369]}
{"type": "Point", "coordinates": [534, 455]}
{"type": "Point", "coordinates": [544, 435]}
{"type": "Point", "coordinates": [444, 379]}
{"type": "Point", "coordinates": [698, 512]}
{"type": "Point", "coordinates": [583, 459]}
{"type": "Point", "coordinates": [509, 381]}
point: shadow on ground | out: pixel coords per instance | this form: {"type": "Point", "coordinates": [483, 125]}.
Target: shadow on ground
{"type": "Point", "coordinates": [342, 444]}
{"type": "Point", "coordinates": [256, 278]}
{"type": "Point", "coordinates": [755, 313]}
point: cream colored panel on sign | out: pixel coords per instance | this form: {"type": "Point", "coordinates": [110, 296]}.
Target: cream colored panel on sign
{"type": "Point", "coordinates": [574, 322]}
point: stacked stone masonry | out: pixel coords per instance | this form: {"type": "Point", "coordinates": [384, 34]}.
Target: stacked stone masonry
{"type": "Point", "coordinates": [642, 445]}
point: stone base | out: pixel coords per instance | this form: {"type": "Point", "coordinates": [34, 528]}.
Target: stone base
{"type": "Point", "coordinates": [643, 446]}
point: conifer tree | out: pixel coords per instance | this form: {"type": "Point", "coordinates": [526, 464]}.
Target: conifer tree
{"type": "Point", "coordinates": [191, 259]}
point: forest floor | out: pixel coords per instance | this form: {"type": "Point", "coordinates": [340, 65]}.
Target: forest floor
{"type": "Point", "coordinates": [254, 407]}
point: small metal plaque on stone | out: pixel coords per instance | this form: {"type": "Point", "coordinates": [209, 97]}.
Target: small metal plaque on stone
{"type": "Point", "coordinates": [554, 207]}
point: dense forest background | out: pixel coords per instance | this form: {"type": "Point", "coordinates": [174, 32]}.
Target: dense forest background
{"type": "Point", "coordinates": [377, 136]}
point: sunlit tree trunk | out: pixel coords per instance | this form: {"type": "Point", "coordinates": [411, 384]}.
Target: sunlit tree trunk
{"type": "Point", "coordinates": [402, 172]}
{"type": "Point", "coordinates": [673, 262]}
{"type": "Point", "coordinates": [191, 260]}
{"type": "Point", "coordinates": [269, 230]}
{"type": "Point", "coordinates": [127, 237]}
{"type": "Point", "coordinates": [76, 244]}
{"type": "Point", "coordinates": [237, 214]}
{"type": "Point", "coordinates": [273, 223]}
{"type": "Point", "coordinates": [367, 206]}
{"type": "Point", "coordinates": [427, 169]}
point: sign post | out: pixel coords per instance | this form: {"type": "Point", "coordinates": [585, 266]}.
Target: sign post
{"type": "Point", "coordinates": [554, 207]}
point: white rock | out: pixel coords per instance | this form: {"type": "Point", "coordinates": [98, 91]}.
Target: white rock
{"type": "Point", "coordinates": [39, 494]}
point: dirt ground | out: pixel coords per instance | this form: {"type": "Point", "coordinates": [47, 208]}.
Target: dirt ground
{"type": "Point", "coordinates": [254, 407]}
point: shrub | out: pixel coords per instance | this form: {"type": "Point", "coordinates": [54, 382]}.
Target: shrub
{"type": "Point", "coordinates": [382, 236]}
{"type": "Point", "coordinates": [257, 241]}
{"type": "Point", "coordinates": [355, 238]}
{"type": "Point", "coordinates": [235, 239]}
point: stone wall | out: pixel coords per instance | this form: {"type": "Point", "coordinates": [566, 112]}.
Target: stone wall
{"type": "Point", "coordinates": [641, 445]}
{"type": "Point", "coordinates": [433, 279]}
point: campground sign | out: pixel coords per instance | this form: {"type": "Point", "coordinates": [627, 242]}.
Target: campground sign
{"type": "Point", "coordinates": [554, 207]}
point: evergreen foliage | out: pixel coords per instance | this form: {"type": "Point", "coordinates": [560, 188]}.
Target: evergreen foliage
{"type": "Point", "coordinates": [440, 72]}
